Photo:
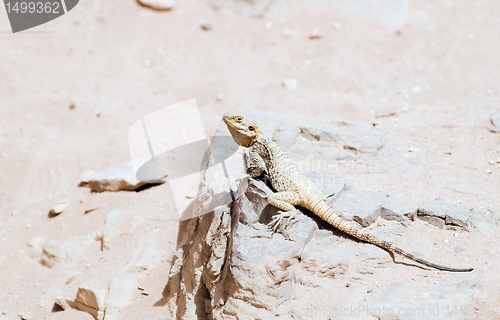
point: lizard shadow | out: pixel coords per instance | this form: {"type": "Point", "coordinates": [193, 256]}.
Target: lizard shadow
{"type": "Point", "coordinates": [323, 225]}
{"type": "Point", "coordinates": [269, 211]}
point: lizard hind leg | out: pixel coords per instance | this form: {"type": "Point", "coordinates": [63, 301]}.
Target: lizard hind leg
{"type": "Point", "coordinates": [284, 201]}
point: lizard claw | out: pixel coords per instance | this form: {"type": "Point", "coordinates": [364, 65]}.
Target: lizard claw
{"type": "Point", "coordinates": [277, 219]}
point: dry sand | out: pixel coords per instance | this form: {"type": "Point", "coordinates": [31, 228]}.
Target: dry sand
{"type": "Point", "coordinates": [426, 72]}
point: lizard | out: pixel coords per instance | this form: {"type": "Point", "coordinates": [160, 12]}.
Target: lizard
{"type": "Point", "coordinates": [294, 189]}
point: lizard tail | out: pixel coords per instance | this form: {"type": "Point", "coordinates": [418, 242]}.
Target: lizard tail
{"type": "Point", "coordinates": [326, 213]}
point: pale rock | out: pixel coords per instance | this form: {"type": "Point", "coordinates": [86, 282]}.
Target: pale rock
{"type": "Point", "coordinates": [93, 208]}
{"type": "Point", "coordinates": [259, 7]}
{"type": "Point", "coordinates": [125, 282]}
{"type": "Point", "coordinates": [52, 253]}
{"type": "Point", "coordinates": [216, 4]}
{"type": "Point", "coordinates": [90, 300]}
{"type": "Point", "coordinates": [58, 208]}
{"type": "Point", "coordinates": [495, 122]}
{"type": "Point", "coordinates": [24, 316]}
{"type": "Point", "coordinates": [445, 214]}
{"type": "Point", "coordinates": [70, 276]}
{"type": "Point", "coordinates": [230, 263]}
{"type": "Point", "coordinates": [35, 247]}
{"type": "Point", "coordinates": [290, 84]}
{"type": "Point", "coordinates": [62, 302]}
{"type": "Point", "coordinates": [122, 177]}
{"type": "Point", "coordinates": [158, 4]}
{"type": "Point", "coordinates": [394, 209]}
{"type": "Point", "coordinates": [345, 139]}
{"type": "Point", "coordinates": [360, 206]}
{"type": "Point", "coordinates": [72, 104]}
{"type": "Point", "coordinates": [46, 252]}
{"type": "Point", "coordinates": [485, 220]}
{"type": "Point", "coordinates": [315, 34]}
{"type": "Point", "coordinates": [458, 215]}
{"type": "Point", "coordinates": [286, 32]}
{"type": "Point", "coordinates": [136, 222]}
{"type": "Point", "coordinates": [85, 177]}
{"type": "Point", "coordinates": [75, 249]}
{"type": "Point", "coordinates": [110, 230]}
{"type": "Point", "coordinates": [433, 212]}
{"type": "Point", "coordinates": [206, 25]}
{"type": "Point", "coordinates": [329, 183]}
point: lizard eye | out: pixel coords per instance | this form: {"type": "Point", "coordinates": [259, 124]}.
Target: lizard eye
{"type": "Point", "coordinates": [251, 128]}
{"type": "Point", "coordinates": [239, 119]}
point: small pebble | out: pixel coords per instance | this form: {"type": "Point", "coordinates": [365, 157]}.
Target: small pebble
{"type": "Point", "coordinates": [286, 32]}
{"type": "Point", "coordinates": [206, 25]}
{"type": "Point", "coordinates": [290, 84]}
{"type": "Point", "coordinates": [90, 210]}
{"type": "Point", "coordinates": [492, 162]}
{"type": "Point", "coordinates": [58, 208]}
{"type": "Point", "coordinates": [488, 171]}
{"type": "Point", "coordinates": [85, 177]}
{"type": "Point", "coordinates": [158, 4]}
{"type": "Point", "coordinates": [495, 121]}
{"type": "Point", "coordinates": [315, 34]}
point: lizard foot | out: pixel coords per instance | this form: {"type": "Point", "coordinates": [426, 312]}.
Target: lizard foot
{"type": "Point", "coordinates": [277, 219]}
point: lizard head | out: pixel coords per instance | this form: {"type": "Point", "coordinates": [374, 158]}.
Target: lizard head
{"type": "Point", "coordinates": [243, 130]}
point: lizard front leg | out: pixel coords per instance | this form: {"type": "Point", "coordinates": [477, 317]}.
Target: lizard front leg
{"type": "Point", "coordinates": [257, 164]}
{"type": "Point", "coordinates": [256, 168]}
{"type": "Point", "coordinates": [285, 201]}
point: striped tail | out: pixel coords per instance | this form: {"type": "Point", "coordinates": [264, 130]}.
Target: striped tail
{"type": "Point", "coordinates": [326, 213]}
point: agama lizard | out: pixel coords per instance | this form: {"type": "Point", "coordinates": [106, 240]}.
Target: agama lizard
{"type": "Point", "coordinates": [294, 189]}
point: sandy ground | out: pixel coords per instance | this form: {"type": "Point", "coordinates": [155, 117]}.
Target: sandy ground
{"type": "Point", "coordinates": [426, 72]}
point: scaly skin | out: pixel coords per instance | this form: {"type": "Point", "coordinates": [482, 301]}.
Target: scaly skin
{"type": "Point", "coordinates": [293, 189]}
